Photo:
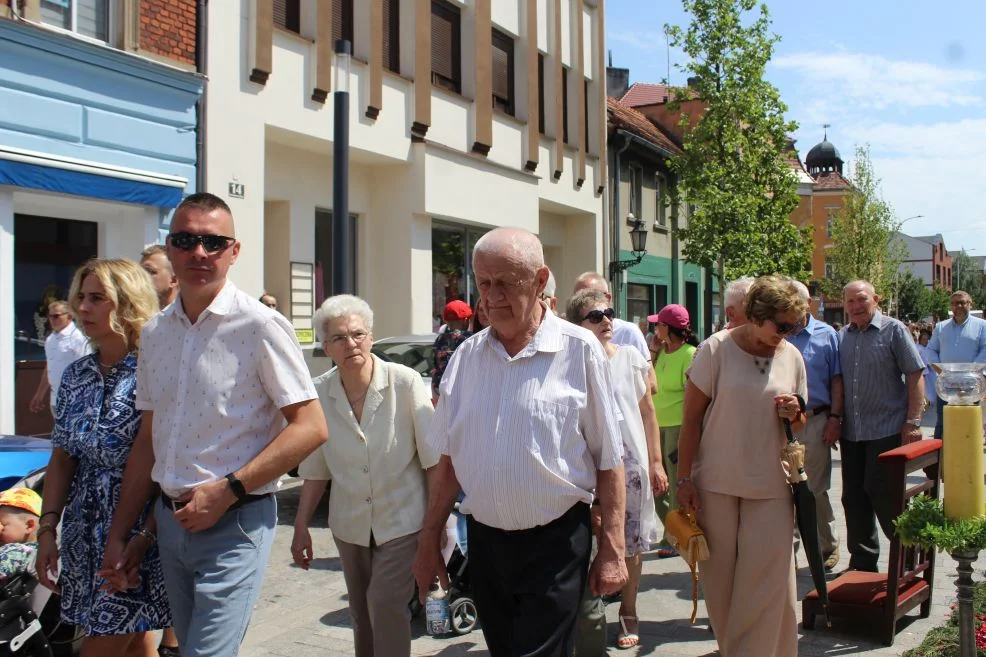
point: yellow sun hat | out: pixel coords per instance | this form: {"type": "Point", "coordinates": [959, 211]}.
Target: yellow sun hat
{"type": "Point", "coordinates": [22, 498]}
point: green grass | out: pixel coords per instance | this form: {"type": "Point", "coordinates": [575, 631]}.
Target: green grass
{"type": "Point", "coordinates": [943, 641]}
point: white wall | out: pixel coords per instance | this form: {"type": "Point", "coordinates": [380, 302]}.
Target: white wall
{"type": "Point", "coordinates": [8, 379]}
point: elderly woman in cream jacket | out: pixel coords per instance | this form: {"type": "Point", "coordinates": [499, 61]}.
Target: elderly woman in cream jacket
{"type": "Point", "coordinates": [376, 456]}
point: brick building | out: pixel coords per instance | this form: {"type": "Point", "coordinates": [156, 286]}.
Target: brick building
{"type": "Point", "coordinates": [100, 141]}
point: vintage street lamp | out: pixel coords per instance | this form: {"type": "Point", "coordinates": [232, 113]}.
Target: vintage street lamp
{"type": "Point", "coordinates": [638, 242]}
{"type": "Point", "coordinates": [342, 280]}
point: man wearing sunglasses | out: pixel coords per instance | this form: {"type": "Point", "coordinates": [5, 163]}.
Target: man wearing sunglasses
{"type": "Point", "coordinates": [525, 423]}
{"type": "Point", "coordinates": [228, 407]}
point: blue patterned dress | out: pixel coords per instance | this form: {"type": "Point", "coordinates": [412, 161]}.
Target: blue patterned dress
{"type": "Point", "coordinates": [96, 423]}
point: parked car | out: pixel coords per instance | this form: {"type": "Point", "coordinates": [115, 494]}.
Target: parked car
{"type": "Point", "coordinates": [22, 457]}
{"type": "Point", "coordinates": [415, 351]}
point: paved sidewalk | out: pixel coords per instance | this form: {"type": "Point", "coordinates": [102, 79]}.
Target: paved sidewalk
{"type": "Point", "coordinates": [302, 614]}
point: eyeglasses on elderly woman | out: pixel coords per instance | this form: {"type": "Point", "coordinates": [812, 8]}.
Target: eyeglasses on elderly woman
{"type": "Point", "coordinates": [596, 316]}
{"type": "Point", "coordinates": [787, 328]}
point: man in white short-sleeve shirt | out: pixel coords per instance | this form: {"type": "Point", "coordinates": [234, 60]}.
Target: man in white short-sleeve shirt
{"type": "Point", "coordinates": [218, 374]}
{"type": "Point", "coordinates": [63, 346]}
{"type": "Point", "coordinates": [525, 423]}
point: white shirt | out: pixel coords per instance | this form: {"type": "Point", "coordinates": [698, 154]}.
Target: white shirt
{"type": "Point", "coordinates": [62, 348]}
{"type": "Point", "coordinates": [377, 464]}
{"type": "Point", "coordinates": [216, 387]}
{"type": "Point", "coordinates": [527, 434]}
{"type": "Point", "coordinates": [628, 333]}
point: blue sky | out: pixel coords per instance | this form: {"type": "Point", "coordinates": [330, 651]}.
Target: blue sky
{"type": "Point", "coordinates": [906, 77]}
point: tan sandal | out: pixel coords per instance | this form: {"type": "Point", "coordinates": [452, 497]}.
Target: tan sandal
{"type": "Point", "coordinates": [626, 640]}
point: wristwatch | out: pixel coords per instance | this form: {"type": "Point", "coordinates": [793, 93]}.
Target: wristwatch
{"type": "Point", "coordinates": [236, 486]}
{"type": "Point", "coordinates": [682, 480]}
{"type": "Point", "coordinates": [914, 423]}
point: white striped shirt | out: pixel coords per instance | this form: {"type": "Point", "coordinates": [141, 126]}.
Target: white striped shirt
{"type": "Point", "coordinates": [527, 434]}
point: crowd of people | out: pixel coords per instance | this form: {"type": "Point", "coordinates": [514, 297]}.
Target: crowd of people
{"type": "Point", "coordinates": [565, 440]}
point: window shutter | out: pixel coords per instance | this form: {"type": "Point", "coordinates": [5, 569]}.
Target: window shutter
{"type": "Point", "coordinates": [564, 104]}
{"type": "Point", "coordinates": [287, 14]}
{"type": "Point", "coordinates": [445, 66]}
{"type": "Point", "coordinates": [392, 35]}
{"type": "Point", "coordinates": [342, 21]}
{"type": "Point", "coordinates": [541, 93]}
{"type": "Point", "coordinates": [503, 56]}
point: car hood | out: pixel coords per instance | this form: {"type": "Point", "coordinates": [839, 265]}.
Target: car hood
{"type": "Point", "coordinates": [21, 455]}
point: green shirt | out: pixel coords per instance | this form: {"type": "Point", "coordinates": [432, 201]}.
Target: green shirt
{"type": "Point", "coordinates": [670, 398]}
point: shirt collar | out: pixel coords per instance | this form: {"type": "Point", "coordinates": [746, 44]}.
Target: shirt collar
{"type": "Point", "coordinates": [378, 381]}
{"type": "Point", "coordinates": [221, 305]}
{"type": "Point", "coordinates": [68, 330]}
{"type": "Point", "coordinates": [810, 326]}
{"type": "Point", "coordinates": [876, 322]}
{"type": "Point", "coordinates": [547, 338]}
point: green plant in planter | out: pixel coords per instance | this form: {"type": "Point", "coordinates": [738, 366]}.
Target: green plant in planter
{"type": "Point", "coordinates": [924, 523]}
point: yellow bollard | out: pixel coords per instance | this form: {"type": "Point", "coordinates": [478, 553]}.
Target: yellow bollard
{"type": "Point", "coordinates": [962, 468]}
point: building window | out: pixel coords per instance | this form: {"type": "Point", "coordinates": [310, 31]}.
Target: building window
{"type": "Point", "coordinates": [829, 269]}
{"type": "Point", "coordinates": [541, 93]}
{"type": "Point", "coordinates": [392, 35]}
{"type": "Point", "coordinates": [639, 303]}
{"type": "Point", "coordinates": [89, 18]}
{"type": "Point", "coordinates": [287, 15]}
{"type": "Point", "coordinates": [564, 103]}
{"type": "Point", "coordinates": [451, 266]}
{"type": "Point", "coordinates": [636, 190]}
{"type": "Point", "coordinates": [662, 210]}
{"type": "Point", "coordinates": [585, 112]}
{"type": "Point", "coordinates": [446, 45]}
{"type": "Point", "coordinates": [503, 72]}
{"type": "Point", "coordinates": [342, 21]}
{"type": "Point", "coordinates": [828, 226]}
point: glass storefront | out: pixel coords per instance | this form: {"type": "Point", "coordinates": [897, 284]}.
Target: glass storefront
{"type": "Point", "coordinates": [451, 266]}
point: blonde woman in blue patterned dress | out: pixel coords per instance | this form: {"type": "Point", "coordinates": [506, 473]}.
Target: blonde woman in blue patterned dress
{"type": "Point", "coordinates": [642, 463]}
{"type": "Point", "coordinates": [95, 425]}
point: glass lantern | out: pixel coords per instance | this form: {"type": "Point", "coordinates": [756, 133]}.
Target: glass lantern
{"type": "Point", "coordinates": [961, 384]}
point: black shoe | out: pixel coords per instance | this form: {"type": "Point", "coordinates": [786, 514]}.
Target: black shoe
{"type": "Point", "coordinates": [164, 651]}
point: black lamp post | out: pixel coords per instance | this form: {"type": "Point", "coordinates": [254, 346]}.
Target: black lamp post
{"type": "Point", "coordinates": [638, 242]}
{"type": "Point", "coordinates": [342, 279]}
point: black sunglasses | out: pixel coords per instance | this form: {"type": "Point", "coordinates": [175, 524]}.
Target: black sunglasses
{"type": "Point", "coordinates": [787, 329]}
{"type": "Point", "coordinates": [596, 316]}
{"type": "Point", "coordinates": [211, 243]}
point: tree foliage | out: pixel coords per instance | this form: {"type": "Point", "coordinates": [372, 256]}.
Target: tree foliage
{"type": "Point", "coordinates": [865, 235]}
{"type": "Point", "coordinates": [967, 275]}
{"type": "Point", "coordinates": [733, 170]}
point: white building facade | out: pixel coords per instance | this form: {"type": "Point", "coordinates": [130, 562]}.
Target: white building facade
{"type": "Point", "coordinates": [464, 116]}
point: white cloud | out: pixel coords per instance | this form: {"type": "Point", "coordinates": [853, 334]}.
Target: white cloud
{"type": "Point", "coordinates": [952, 140]}
{"type": "Point", "coordinates": [874, 82]}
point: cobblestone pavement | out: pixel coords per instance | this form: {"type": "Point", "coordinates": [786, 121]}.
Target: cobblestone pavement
{"type": "Point", "coordinates": [302, 614]}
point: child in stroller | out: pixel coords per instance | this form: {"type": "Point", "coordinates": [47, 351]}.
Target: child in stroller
{"type": "Point", "coordinates": [462, 609]}
{"type": "Point", "coordinates": [20, 629]}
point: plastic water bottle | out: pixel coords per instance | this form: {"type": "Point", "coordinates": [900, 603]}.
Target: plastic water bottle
{"type": "Point", "coordinates": [437, 619]}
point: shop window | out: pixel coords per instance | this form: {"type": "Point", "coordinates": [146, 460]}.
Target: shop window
{"type": "Point", "coordinates": [691, 302]}
{"type": "Point", "coordinates": [503, 72]}
{"type": "Point", "coordinates": [451, 265]}
{"type": "Point", "coordinates": [342, 21]}
{"type": "Point", "coordinates": [446, 45]}
{"type": "Point", "coordinates": [323, 254]}
{"type": "Point", "coordinates": [89, 18]}
{"type": "Point", "coordinates": [287, 15]}
{"type": "Point", "coordinates": [392, 35]}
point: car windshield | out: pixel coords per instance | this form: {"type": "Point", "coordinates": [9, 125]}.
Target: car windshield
{"type": "Point", "coordinates": [418, 356]}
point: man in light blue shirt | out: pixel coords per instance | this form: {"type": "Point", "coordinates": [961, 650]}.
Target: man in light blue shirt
{"type": "Point", "coordinates": [961, 339]}
{"type": "Point", "coordinates": [819, 346]}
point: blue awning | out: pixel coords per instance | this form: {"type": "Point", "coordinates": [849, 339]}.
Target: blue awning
{"type": "Point", "coordinates": [78, 183]}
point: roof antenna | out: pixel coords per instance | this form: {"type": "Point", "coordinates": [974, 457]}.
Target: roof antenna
{"type": "Point", "coordinates": [667, 43]}
{"type": "Point", "coordinates": [610, 58]}
{"type": "Point", "coordinates": [825, 127]}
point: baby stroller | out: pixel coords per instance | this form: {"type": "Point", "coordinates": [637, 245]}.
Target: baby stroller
{"type": "Point", "coordinates": [21, 634]}
{"type": "Point", "coordinates": [462, 608]}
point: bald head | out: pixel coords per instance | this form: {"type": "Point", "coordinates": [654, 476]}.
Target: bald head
{"type": "Point", "coordinates": [591, 280]}
{"type": "Point", "coordinates": [515, 244]}
{"type": "Point", "coordinates": [208, 208]}
{"type": "Point", "coordinates": [857, 286]}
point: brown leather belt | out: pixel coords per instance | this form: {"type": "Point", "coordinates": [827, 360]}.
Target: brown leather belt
{"type": "Point", "coordinates": [173, 504]}
{"type": "Point", "coordinates": [818, 410]}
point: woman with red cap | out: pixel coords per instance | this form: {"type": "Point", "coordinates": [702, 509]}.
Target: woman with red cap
{"type": "Point", "coordinates": [678, 346]}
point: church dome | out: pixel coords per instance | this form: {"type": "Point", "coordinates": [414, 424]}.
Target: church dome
{"type": "Point", "coordinates": [823, 157]}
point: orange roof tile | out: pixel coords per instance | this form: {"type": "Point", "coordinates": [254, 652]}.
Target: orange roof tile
{"type": "Point", "coordinates": [626, 118]}
{"type": "Point", "coordinates": [831, 180]}
{"type": "Point", "coordinates": [645, 93]}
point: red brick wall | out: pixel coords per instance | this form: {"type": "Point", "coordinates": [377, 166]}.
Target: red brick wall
{"type": "Point", "coordinates": [167, 28]}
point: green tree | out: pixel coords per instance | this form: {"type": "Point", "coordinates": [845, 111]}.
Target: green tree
{"type": "Point", "coordinates": [911, 297]}
{"type": "Point", "coordinates": [733, 170]}
{"type": "Point", "coordinates": [935, 302]}
{"type": "Point", "coordinates": [967, 275]}
{"type": "Point", "coordinates": [865, 235]}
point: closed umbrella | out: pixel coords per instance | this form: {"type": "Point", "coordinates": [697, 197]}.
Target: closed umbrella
{"type": "Point", "coordinates": [806, 514]}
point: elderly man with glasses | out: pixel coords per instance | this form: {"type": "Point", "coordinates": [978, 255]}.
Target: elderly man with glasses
{"type": "Point", "coordinates": [63, 346]}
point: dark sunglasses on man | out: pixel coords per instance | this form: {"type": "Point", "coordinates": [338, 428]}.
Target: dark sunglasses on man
{"type": "Point", "coordinates": [211, 243]}
{"type": "Point", "coordinates": [596, 316]}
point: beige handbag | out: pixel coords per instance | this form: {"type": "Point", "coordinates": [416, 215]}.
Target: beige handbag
{"type": "Point", "coordinates": [688, 539]}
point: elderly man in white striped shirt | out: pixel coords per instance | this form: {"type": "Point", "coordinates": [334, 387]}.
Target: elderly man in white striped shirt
{"type": "Point", "coordinates": [525, 423]}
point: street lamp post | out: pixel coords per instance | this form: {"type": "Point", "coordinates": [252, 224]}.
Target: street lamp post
{"type": "Point", "coordinates": [638, 242]}
{"type": "Point", "coordinates": [342, 270]}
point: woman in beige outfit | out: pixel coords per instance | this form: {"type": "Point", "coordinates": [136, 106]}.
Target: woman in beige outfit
{"type": "Point", "coordinates": [742, 384]}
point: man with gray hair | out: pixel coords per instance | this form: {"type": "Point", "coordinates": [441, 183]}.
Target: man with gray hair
{"type": "Point", "coordinates": [884, 400]}
{"type": "Point", "coordinates": [735, 300]}
{"type": "Point", "coordinates": [63, 346]}
{"type": "Point", "coordinates": [154, 260]}
{"type": "Point", "coordinates": [526, 428]}
{"type": "Point", "coordinates": [819, 346]}
{"type": "Point", "coordinates": [548, 296]}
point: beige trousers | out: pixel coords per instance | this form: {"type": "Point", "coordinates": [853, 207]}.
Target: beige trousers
{"type": "Point", "coordinates": [818, 467]}
{"type": "Point", "coordinates": [380, 585]}
{"type": "Point", "coordinates": [748, 581]}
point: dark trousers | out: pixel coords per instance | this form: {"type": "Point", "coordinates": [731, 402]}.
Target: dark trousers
{"type": "Point", "coordinates": [528, 584]}
{"type": "Point", "coordinates": [866, 498]}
